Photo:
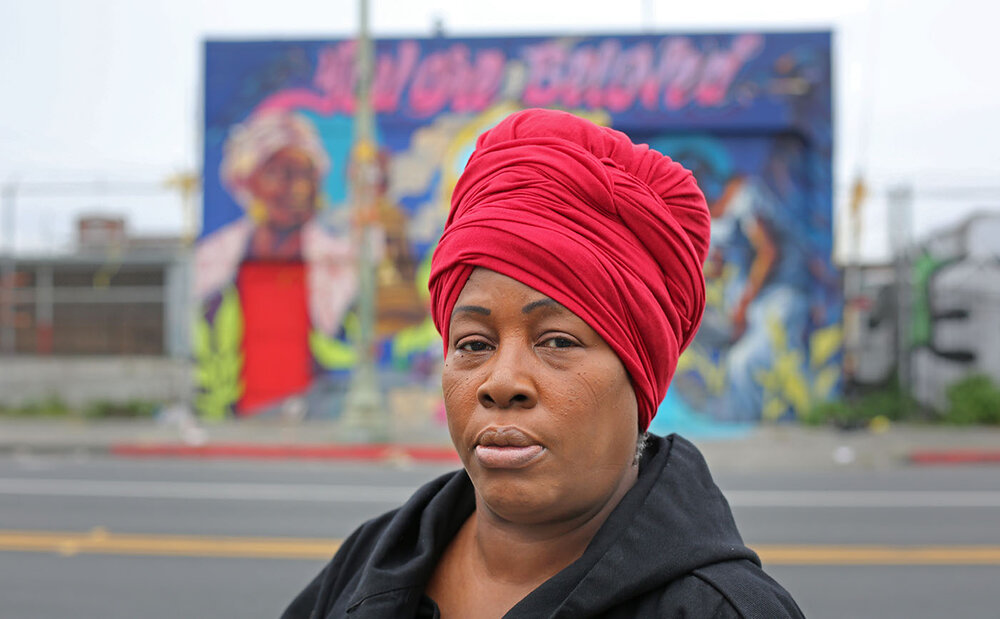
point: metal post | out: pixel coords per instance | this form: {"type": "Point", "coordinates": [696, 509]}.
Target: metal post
{"type": "Point", "coordinates": [853, 286]}
{"type": "Point", "coordinates": [365, 415]}
{"type": "Point", "coordinates": [44, 310]}
{"type": "Point", "coordinates": [177, 288]}
{"type": "Point", "coordinates": [900, 238]}
{"type": "Point", "coordinates": [8, 271]}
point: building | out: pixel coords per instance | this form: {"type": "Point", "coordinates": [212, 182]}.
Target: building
{"type": "Point", "coordinates": [952, 307]}
{"type": "Point", "coordinates": [106, 321]}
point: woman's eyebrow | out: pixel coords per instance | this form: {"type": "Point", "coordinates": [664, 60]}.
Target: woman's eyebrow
{"type": "Point", "coordinates": [474, 309]}
{"type": "Point", "coordinates": [546, 302]}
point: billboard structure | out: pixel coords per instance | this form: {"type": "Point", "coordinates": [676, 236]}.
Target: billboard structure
{"type": "Point", "coordinates": [749, 113]}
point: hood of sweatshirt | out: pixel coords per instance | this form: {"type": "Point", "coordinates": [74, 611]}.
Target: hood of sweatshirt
{"type": "Point", "coordinates": [672, 522]}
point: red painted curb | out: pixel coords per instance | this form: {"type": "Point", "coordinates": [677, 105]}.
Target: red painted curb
{"type": "Point", "coordinates": [367, 453]}
{"type": "Point", "coordinates": [956, 456]}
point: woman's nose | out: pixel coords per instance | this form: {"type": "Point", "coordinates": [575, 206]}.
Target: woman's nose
{"type": "Point", "coordinates": [302, 187]}
{"type": "Point", "coordinates": [508, 383]}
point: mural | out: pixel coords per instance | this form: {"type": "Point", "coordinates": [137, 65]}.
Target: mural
{"type": "Point", "coordinates": [768, 346]}
{"type": "Point", "coordinates": [276, 273]}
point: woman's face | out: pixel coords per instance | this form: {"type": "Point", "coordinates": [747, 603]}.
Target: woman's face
{"type": "Point", "coordinates": [286, 185]}
{"type": "Point", "coordinates": [540, 408]}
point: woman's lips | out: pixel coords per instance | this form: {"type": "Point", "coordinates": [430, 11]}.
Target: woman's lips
{"type": "Point", "coordinates": [509, 457]}
{"type": "Point", "coordinates": [506, 448]}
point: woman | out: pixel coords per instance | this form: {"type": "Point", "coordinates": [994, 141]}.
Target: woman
{"type": "Point", "coordinates": [566, 283]}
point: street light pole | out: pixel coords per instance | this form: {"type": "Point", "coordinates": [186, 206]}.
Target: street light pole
{"type": "Point", "coordinates": [365, 415]}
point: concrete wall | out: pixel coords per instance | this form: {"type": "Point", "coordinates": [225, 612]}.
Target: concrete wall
{"type": "Point", "coordinates": [81, 380]}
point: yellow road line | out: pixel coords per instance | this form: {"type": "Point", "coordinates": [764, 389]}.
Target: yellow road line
{"type": "Point", "coordinates": [849, 554]}
{"type": "Point", "coordinates": [101, 541]}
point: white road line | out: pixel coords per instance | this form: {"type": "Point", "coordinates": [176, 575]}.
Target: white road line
{"type": "Point", "coordinates": [319, 493]}
{"type": "Point", "coordinates": [330, 493]}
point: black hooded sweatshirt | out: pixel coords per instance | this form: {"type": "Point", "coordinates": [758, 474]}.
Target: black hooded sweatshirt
{"type": "Point", "coordinates": [669, 549]}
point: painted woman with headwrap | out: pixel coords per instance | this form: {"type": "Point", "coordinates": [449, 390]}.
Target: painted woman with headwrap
{"type": "Point", "coordinates": [293, 275]}
{"type": "Point", "coordinates": [566, 283]}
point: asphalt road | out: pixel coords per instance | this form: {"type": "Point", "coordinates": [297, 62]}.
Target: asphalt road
{"type": "Point", "coordinates": [106, 538]}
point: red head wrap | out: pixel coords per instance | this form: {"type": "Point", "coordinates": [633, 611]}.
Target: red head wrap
{"type": "Point", "coordinates": [615, 232]}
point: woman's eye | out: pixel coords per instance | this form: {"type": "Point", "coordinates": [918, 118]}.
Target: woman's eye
{"type": "Point", "coordinates": [558, 342]}
{"type": "Point", "coordinates": [472, 346]}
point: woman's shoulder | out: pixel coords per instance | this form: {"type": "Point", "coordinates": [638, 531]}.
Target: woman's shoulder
{"type": "Point", "coordinates": [396, 527]}
{"type": "Point", "coordinates": [728, 590]}
{"type": "Point", "coordinates": [737, 588]}
{"type": "Point", "coordinates": [389, 552]}
{"type": "Point", "coordinates": [339, 575]}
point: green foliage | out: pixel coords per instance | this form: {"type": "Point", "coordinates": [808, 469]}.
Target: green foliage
{"type": "Point", "coordinates": [890, 403]}
{"type": "Point", "coordinates": [52, 406]}
{"type": "Point", "coordinates": [219, 357]}
{"type": "Point", "coordinates": [840, 413]}
{"type": "Point", "coordinates": [884, 403]}
{"type": "Point", "coordinates": [132, 409]}
{"type": "Point", "coordinates": [973, 400]}
{"type": "Point", "coordinates": [834, 411]}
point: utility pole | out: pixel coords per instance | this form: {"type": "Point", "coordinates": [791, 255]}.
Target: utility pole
{"type": "Point", "coordinates": [900, 238]}
{"type": "Point", "coordinates": [365, 416]}
{"type": "Point", "coordinates": [853, 284]}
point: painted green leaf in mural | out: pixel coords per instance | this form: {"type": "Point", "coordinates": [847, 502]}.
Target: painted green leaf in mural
{"type": "Point", "coordinates": [219, 359]}
{"type": "Point", "coordinates": [789, 384]}
{"type": "Point", "coordinates": [414, 340]}
{"type": "Point", "coordinates": [331, 353]}
{"type": "Point", "coordinates": [228, 325]}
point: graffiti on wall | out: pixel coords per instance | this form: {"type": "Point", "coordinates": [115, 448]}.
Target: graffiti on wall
{"type": "Point", "coordinates": [954, 284]}
{"type": "Point", "coordinates": [276, 261]}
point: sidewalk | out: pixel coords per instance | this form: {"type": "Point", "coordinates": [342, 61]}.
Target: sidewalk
{"type": "Point", "coordinates": [788, 447]}
{"type": "Point", "coordinates": [271, 439]}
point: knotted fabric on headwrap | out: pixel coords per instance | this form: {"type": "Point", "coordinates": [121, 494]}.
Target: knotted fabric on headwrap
{"type": "Point", "coordinates": [614, 231]}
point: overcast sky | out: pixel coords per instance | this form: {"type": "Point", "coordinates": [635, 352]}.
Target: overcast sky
{"type": "Point", "coordinates": [110, 89]}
